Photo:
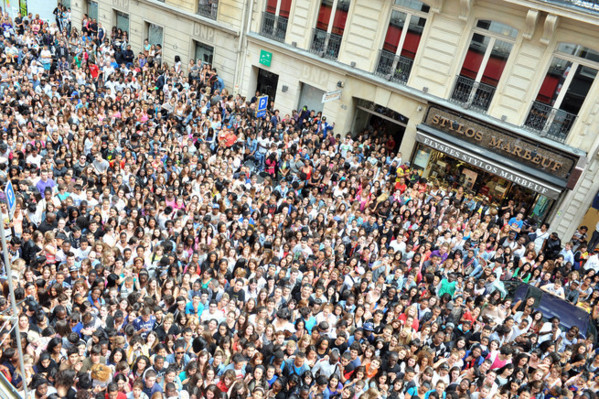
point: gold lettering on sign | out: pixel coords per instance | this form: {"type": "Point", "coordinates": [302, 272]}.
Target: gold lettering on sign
{"type": "Point", "coordinates": [457, 127]}
{"type": "Point", "coordinates": [495, 141]}
{"type": "Point", "coordinates": [203, 33]}
{"type": "Point", "coordinates": [556, 166]}
{"type": "Point", "coordinates": [525, 154]}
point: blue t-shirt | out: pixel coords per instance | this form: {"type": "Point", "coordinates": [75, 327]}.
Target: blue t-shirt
{"type": "Point", "coordinates": [413, 392]}
{"type": "Point", "coordinates": [426, 395]}
{"type": "Point", "coordinates": [518, 223]}
{"type": "Point", "coordinates": [140, 324]}
{"type": "Point", "coordinates": [189, 308]}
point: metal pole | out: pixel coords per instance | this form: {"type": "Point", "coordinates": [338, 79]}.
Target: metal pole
{"type": "Point", "coordinates": [13, 302]}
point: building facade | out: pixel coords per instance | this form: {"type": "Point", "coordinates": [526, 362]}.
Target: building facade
{"type": "Point", "coordinates": [500, 97]}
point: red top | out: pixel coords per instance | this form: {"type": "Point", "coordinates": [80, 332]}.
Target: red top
{"type": "Point", "coordinates": [93, 70]}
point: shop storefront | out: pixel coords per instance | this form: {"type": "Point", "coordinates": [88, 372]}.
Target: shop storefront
{"type": "Point", "coordinates": [456, 151]}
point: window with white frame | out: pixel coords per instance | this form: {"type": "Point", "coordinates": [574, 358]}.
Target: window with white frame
{"type": "Point", "coordinates": [330, 25]}
{"type": "Point", "coordinates": [406, 25]}
{"type": "Point", "coordinates": [275, 19]}
{"type": "Point", "coordinates": [568, 80]}
{"type": "Point", "coordinates": [483, 64]}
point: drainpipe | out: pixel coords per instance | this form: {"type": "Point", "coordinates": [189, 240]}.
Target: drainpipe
{"type": "Point", "coordinates": [240, 43]}
{"type": "Point", "coordinates": [248, 27]}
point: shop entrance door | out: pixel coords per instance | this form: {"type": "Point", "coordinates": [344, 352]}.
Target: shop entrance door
{"type": "Point", "coordinates": [371, 116]}
{"type": "Point", "coordinates": [267, 83]}
{"type": "Point", "coordinates": [386, 126]}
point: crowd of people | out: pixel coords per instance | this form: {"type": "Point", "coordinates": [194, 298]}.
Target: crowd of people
{"type": "Point", "coordinates": [166, 244]}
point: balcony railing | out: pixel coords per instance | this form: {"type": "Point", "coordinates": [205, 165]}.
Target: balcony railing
{"type": "Point", "coordinates": [473, 94]}
{"type": "Point", "coordinates": [325, 44]}
{"type": "Point", "coordinates": [549, 122]}
{"type": "Point", "coordinates": [585, 5]}
{"type": "Point", "coordinates": [208, 9]}
{"type": "Point", "coordinates": [393, 67]}
{"type": "Point", "coordinates": [274, 27]}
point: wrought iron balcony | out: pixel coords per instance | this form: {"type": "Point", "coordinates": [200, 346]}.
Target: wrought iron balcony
{"type": "Point", "coordinates": [473, 94]}
{"type": "Point", "coordinates": [208, 10]}
{"type": "Point", "coordinates": [393, 67]}
{"type": "Point", "coordinates": [274, 27]}
{"type": "Point", "coordinates": [325, 44]}
{"type": "Point", "coordinates": [582, 5]}
{"type": "Point", "coordinates": [549, 122]}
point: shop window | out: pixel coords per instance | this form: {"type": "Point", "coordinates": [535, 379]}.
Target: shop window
{"type": "Point", "coordinates": [203, 53]}
{"type": "Point", "coordinates": [452, 173]}
{"type": "Point", "coordinates": [402, 39]}
{"type": "Point", "coordinates": [122, 21]}
{"type": "Point", "coordinates": [567, 82]}
{"type": "Point", "coordinates": [208, 8]}
{"type": "Point", "coordinates": [275, 19]}
{"type": "Point", "coordinates": [330, 25]}
{"type": "Point", "coordinates": [92, 9]}
{"type": "Point", "coordinates": [66, 3]}
{"type": "Point", "coordinates": [154, 33]}
{"type": "Point", "coordinates": [483, 64]}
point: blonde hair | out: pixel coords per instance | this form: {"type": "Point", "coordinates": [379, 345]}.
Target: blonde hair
{"type": "Point", "coordinates": [192, 321]}
{"type": "Point", "coordinates": [48, 237]}
{"type": "Point", "coordinates": [372, 393]}
{"type": "Point", "coordinates": [291, 344]}
{"type": "Point", "coordinates": [19, 266]}
{"type": "Point", "coordinates": [28, 360]}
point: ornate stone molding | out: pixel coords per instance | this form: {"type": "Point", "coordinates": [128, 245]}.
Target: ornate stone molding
{"type": "Point", "coordinates": [531, 24]}
{"type": "Point", "coordinates": [436, 5]}
{"type": "Point", "coordinates": [465, 7]}
{"type": "Point", "coordinates": [549, 28]}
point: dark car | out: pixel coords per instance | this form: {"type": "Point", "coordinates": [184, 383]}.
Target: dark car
{"type": "Point", "coordinates": [551, 305]}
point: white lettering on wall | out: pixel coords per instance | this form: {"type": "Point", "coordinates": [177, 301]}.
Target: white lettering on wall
{"type": "Point", "coordinates": [203, 33]}
{"type": "Point", "coordinates": [312, 74]}
{"type": "Point", "coordinates": [122, 4]}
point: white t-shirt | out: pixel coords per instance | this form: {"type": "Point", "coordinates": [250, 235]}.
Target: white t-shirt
{"type": "Point", "coordinates": [541, 237]}
{"type": "Point", "coordinates": [555, 291]}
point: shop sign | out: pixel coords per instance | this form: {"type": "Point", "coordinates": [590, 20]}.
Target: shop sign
{"type": "Point", "coordinates": [489, 167]}
{"type": "Point", "coordinates": [331, 96]}
{"type": "Point", "coordinates": [265, 57]}
{"type": "Point", "coordinates": [527, 151]}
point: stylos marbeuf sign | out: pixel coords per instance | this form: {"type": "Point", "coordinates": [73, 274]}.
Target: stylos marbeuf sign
{"type": "Point", "coordinates": [502, 142]}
